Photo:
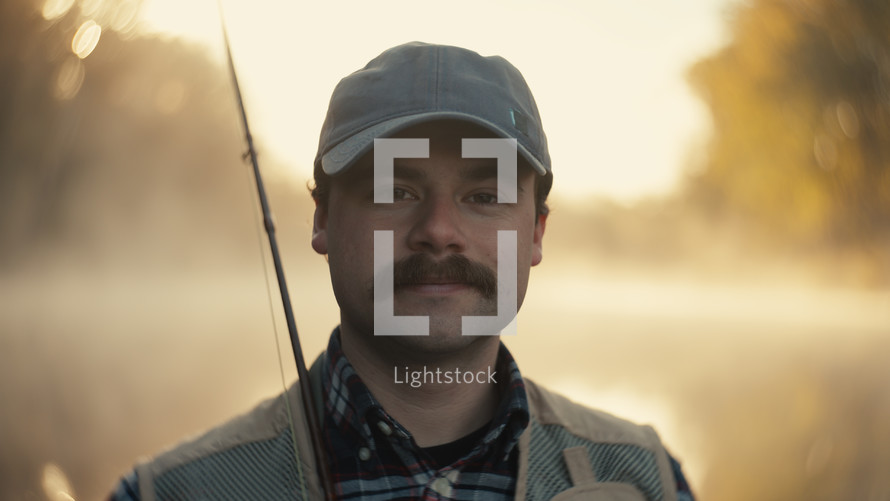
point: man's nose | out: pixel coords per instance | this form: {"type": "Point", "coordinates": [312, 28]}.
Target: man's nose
{"type": "Point", "coordinates": [437, 228]}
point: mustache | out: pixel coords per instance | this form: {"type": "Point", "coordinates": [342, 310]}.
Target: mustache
{"type": "Point", "coordinates": [418, 269]}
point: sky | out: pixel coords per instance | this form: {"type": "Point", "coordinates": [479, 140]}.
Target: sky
{"type": "Point", "coordinates": [609, 77]}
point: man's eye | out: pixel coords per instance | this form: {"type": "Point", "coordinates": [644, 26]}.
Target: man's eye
{"type": "Point", "coordinates": [401, 194]}
{"type": "Point", "coordinates": [483, 198]}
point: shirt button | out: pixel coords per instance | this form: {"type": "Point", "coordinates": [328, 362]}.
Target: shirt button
{"type": "Point", "coordinates": [442, 486]}
{"type": "Point", "coordinates": [364, 454]}
{"type": "Point", "coordinates": [385, 428]}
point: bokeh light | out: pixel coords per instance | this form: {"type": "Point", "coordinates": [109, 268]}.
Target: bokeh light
{"type": "Point", "coordinates": [55, 483]}
{"type": "Point", "coordinates": [69, 78]}
{"type": "Point", "coordinates": [54, 9]}
{"type": "Point", "coordinates": [86, 39]}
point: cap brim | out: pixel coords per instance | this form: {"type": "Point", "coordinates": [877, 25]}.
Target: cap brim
{"type": "Point", "coordinates": [343, 155]}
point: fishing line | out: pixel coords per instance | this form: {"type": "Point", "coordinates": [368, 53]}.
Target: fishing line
{"type": "Point", "coordinates": [305, 388]}
{"type": "Point", "coordinates": [265, 260]}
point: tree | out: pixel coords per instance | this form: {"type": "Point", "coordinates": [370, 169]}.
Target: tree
{"type": "Point", "coordinates": [128, 149]}
{"type": "Point", "coordinates": [800, 100]}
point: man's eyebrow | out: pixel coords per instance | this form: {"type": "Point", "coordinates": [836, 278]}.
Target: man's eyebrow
{"type": "Point", "coordinates": [480, 172]}
{"type": "Point", "coordinates": [408, 173]}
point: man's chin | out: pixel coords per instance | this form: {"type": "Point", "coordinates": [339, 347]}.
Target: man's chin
{"type": "Point", "coordinates": [442, 341]}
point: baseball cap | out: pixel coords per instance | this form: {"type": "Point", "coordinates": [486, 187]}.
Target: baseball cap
{"type": "Point", "coordinates": [418, 82]}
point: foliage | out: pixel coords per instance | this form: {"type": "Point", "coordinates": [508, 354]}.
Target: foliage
{"type": "Point", "coordinates": [800, 101]}
{"type": "Point", "coordinates": [130, 152]}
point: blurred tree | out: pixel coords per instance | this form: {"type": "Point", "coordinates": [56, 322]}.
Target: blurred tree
{"type": "Point", "coordinates": [120, 164]}
{"type": "Point", "coordinates": [800, 101]}
{"type": "Point", "coordinates": [130, 150]}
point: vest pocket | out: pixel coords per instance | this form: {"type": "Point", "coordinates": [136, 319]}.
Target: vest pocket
{"type": "Point", "coordinates": [601, 491]}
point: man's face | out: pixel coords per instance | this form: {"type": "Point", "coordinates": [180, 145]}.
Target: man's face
{"type": "Point", "coordinates": [445, 220]}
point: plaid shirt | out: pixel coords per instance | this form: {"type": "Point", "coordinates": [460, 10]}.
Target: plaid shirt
{"type": "Point", "coordinates": [372, 457]}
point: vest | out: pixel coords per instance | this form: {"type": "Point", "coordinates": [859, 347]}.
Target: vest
{"type": "Point", "coordinates": [568, 452]}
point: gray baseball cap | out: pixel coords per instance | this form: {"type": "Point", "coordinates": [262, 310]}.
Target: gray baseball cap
{"type": "Point", "coordinates": [418, 82]}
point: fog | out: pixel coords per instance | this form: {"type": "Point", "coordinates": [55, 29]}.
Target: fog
{"type": "Point", "coordinates": [786, 383]}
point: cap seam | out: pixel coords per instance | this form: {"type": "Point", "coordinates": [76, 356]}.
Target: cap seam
{"type": "Point", "coordinates": [412, 112]}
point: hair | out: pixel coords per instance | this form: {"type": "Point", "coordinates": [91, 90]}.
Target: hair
{"type": "Point", "coordinates": [320, 187]}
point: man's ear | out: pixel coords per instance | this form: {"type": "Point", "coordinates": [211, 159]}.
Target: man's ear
{"type": "Point", "coordinates": [320, 229]}
{"type": "Point", "coordinates": [538, 239]}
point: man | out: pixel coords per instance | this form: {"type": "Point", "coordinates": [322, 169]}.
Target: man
{"type": "Point", "coordinates": [431, 179]}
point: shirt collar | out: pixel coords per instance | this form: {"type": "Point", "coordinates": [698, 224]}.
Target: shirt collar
{"type": "Point", "coordinates": [351, 406]}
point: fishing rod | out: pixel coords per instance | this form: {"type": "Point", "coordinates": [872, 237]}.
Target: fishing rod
{"type": "Point", "coordinates": [269, 225]}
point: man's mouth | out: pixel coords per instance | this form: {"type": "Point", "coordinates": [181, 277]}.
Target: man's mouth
{"type": "Point", "coordinates": [436, 289]}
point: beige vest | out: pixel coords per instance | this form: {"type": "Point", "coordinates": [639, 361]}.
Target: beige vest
{"type": "Point", "coordinates": [568, 452]}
